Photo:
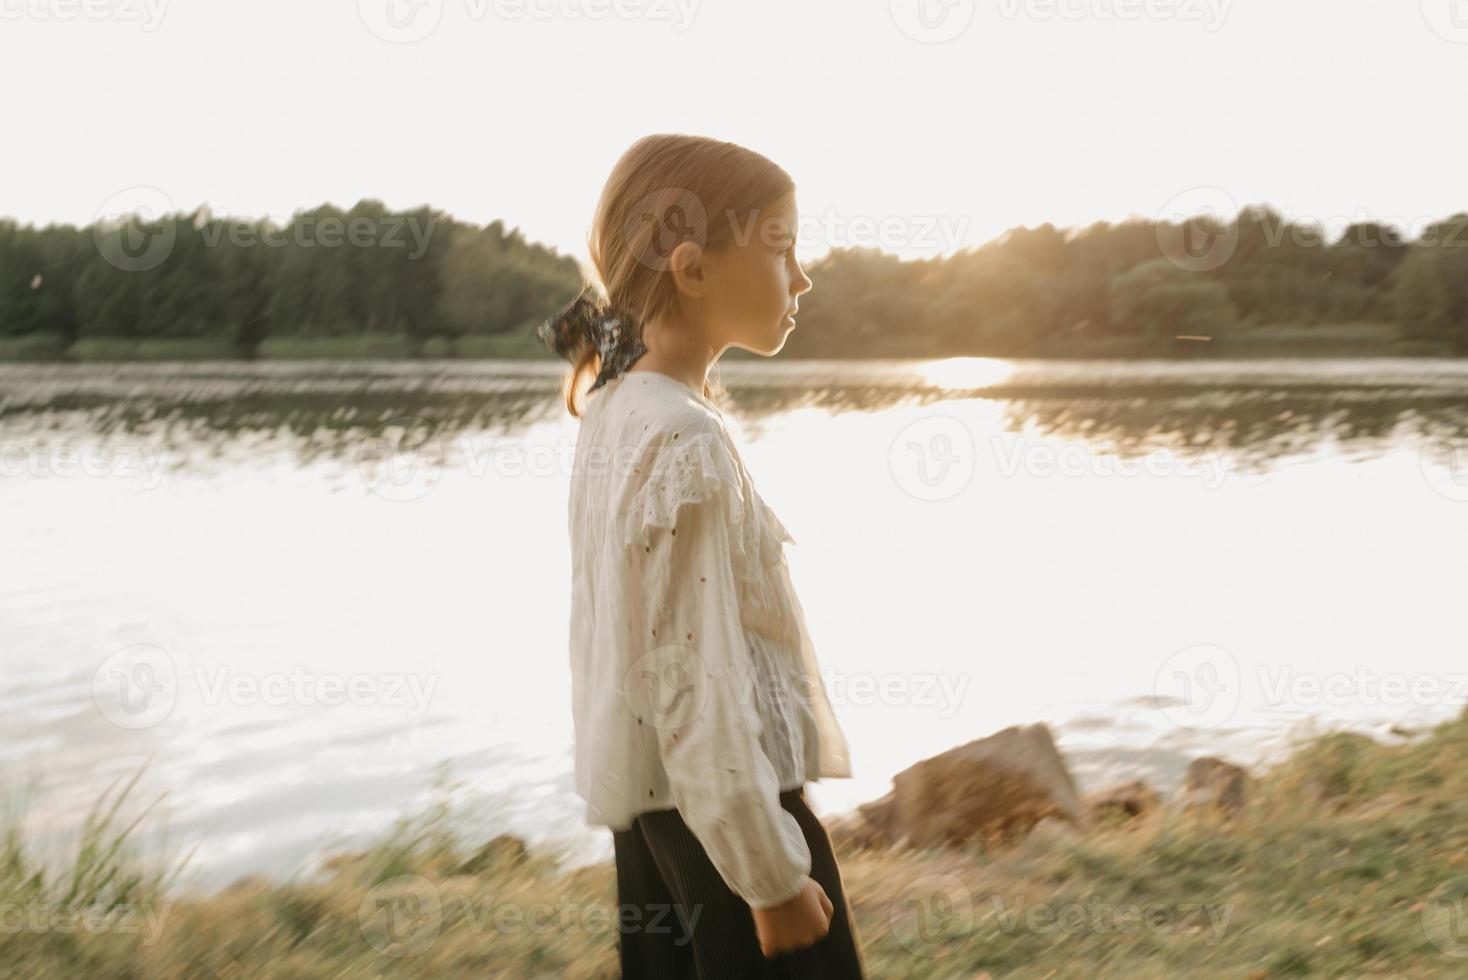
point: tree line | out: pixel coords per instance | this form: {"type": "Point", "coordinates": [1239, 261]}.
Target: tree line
{"type": "Point", "coordinates": [427, 278]}
{"type": "Point", "coordinates": [1139, 286]}
{"type": "Point", "coordinates": [328, 272]}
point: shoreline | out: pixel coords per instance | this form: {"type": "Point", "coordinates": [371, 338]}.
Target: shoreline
{"type": "Point", "coordinates": [1345, 859]}
{"type": "Point", "coordinates": [1343, 340]}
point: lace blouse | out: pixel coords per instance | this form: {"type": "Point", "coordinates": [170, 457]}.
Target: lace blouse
{"type": "Point", "coordinates": [694, 680]}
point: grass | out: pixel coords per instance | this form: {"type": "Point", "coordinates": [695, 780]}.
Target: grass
{"type": "Point", "coordinates": [1347, 339]}
{"type": "Point", "coordinates": [1349, 860]}
{"type": "Point", "coordinates": [32, 347]}
{"type": "Point", "coordinates": [517, 344]}
{"type": "Point", "coordinates": [1369, 339]}
{"type": "Point", "coordinates": [347, 346]}
{"type": "Point", "coordinates": [149, 349]}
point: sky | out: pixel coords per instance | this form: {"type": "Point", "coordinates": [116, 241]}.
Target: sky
{"type": "Point", "coordinates": [918, 126]}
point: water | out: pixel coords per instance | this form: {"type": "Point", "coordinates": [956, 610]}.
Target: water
{"type": "Point", "coordinates": [1159, 559]}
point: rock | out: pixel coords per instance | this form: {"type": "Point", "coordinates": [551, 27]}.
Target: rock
{"type": "Point", "coordinates": [868, 827]}
{"type": "Point", "coordinates": [991, 789]}
{"type": "Point", "coordinates": [500, 852]}
{"type": "Point", "coordinates": [879, 815]}
{"type": "Point", "coordinates": [1213, 784]}
{"type": "Point", "coordinates": [1052, 832]}
{"type": "Point", "coordinates": [1122, 802]}
{"type": "Point", "coordinates": [849, 832]}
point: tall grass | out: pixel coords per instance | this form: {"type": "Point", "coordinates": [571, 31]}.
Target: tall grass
{"type": "Point", "coordinates": [1346, 862]}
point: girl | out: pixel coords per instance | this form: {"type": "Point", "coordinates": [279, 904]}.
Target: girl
{"type": "Point", "coordinates": [699, 709]}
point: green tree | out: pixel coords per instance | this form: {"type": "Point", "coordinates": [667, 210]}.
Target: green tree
{"type": "Point", "coordinates": [1430, 287]}
{"type": "Point", "coordinates": [1163, 300]}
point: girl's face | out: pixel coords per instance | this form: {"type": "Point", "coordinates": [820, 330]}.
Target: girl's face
{"type": "Point", "coordinates": [755, 283]}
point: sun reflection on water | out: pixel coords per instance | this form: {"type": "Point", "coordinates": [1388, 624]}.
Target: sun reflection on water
{"type": "Point", "coordinates": [965, 372]}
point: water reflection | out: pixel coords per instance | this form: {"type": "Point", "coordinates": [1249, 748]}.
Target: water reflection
{"type": "Point", "coordinates": [1257, 429]}
{"type": "Point", "coordinates": [1257, 412]}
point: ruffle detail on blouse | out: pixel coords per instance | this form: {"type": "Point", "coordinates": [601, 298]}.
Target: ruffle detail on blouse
{"type": "Point", "coordinates": [777, 533]}
{"type": "Point", "coordinates": [686, 471]}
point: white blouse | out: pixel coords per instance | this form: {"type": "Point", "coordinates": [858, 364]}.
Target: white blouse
{"type": "Point", "coordinates": [694, 680]}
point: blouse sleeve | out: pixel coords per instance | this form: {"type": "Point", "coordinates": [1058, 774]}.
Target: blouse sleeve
{"type": "Point", "coordinates": [693, 674]}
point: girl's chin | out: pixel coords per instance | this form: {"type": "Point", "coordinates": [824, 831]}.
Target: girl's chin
{"type": "Point", "coordinates": [774, 342]}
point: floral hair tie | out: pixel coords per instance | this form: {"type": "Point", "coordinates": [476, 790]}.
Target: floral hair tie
{"type": "Point", "coordinates": [583, 320]}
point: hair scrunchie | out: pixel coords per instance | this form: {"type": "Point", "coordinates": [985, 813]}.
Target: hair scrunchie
{"type": "Point", "coordinates": [616, 337]}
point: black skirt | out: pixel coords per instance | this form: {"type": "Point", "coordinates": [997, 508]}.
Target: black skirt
{"type": "Point", "coordinates": [664, 876]}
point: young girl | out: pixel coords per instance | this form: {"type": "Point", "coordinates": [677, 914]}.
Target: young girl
{"type": "Point", "coordinates": [699, 709]}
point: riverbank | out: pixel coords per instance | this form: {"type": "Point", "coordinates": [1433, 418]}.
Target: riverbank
{"type": "Point", "coordinates": [1350, 858]}
{"type": "Point", "coordinates": [1272, 340]}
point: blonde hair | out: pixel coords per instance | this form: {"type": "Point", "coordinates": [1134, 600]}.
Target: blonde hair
{"type": "Point", "coordinates": [665, 189]}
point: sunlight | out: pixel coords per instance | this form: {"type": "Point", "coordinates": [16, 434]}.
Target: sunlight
{"type": "Point", "coordinates": [966, 372]}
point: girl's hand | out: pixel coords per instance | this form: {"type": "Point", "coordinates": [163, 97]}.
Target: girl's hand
{"type": "Point", "coordinates": [796, 924]}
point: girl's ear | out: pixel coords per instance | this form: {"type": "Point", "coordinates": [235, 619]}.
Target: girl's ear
{"type": "Point", "coordinates": [688, 268]}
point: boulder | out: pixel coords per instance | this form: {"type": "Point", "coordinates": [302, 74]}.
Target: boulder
{"type": "Point", "coordinates": [499, 853]}
{"type": "Point", "coordinates": [849, 832]}
{"type": "Point", "coordinates": [1122, 802]}
{"type": "Point", "coordinates": [1213, 784]}
{"type": "Point", "coordinates": [867, 827]}
{"type": "Point", "coordinates": [1052, 833]}
{"type": "Point", "coordinates": [992, 789]}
